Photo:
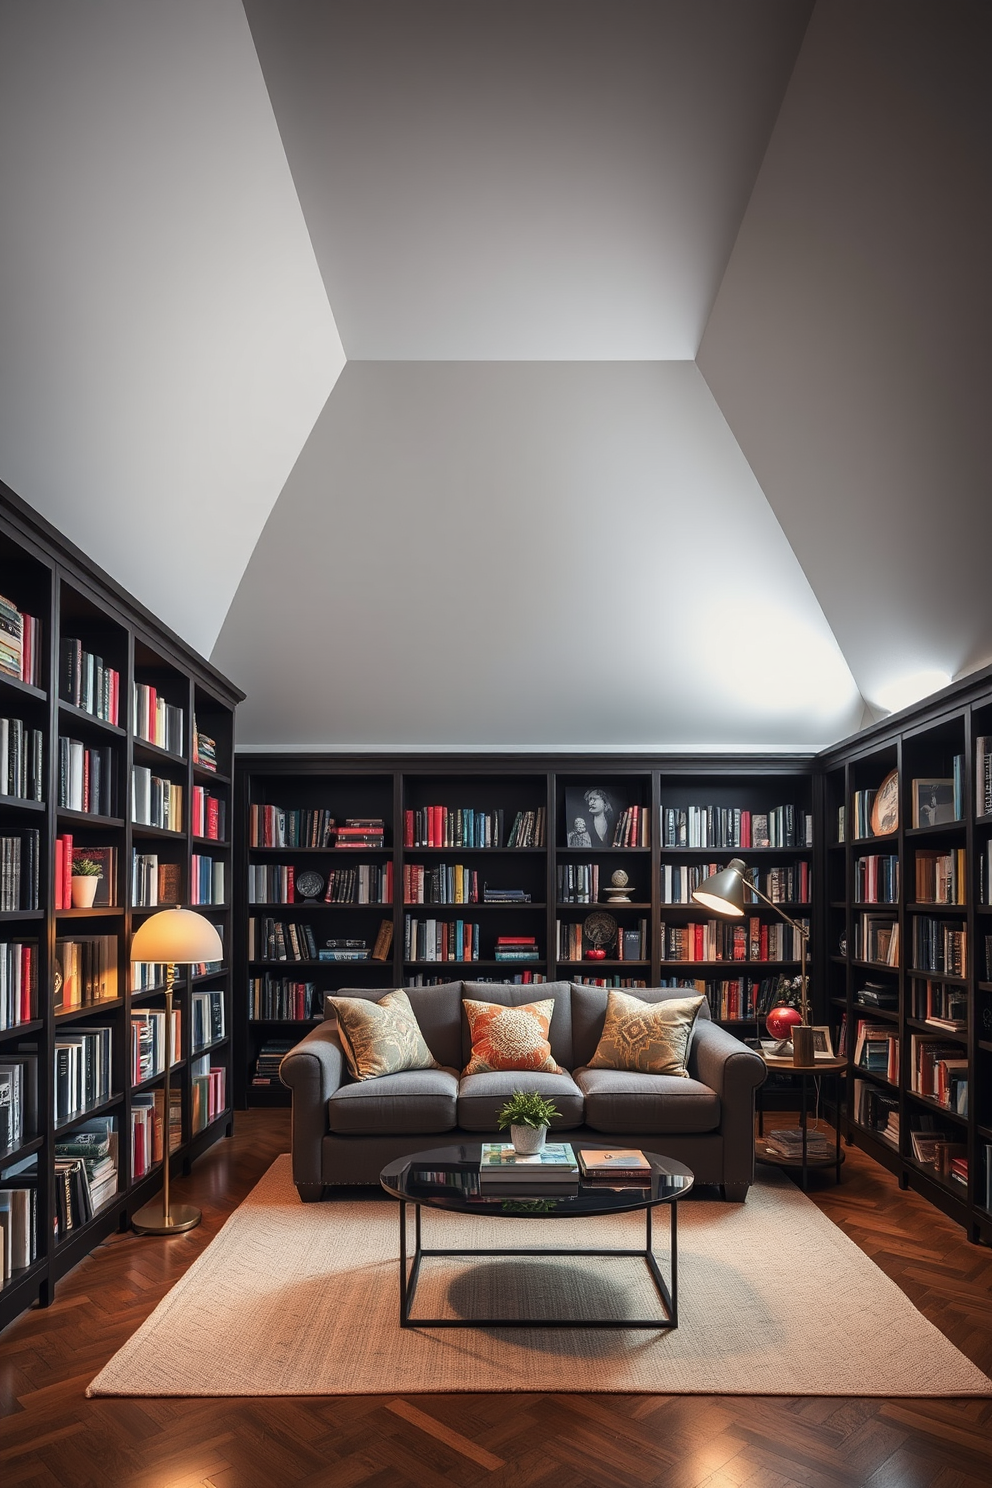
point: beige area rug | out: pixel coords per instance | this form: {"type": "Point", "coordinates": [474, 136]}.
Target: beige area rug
{"type": "Point", "coordinates": [302, 1299]}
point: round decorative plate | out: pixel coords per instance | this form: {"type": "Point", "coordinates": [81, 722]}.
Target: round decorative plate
{"type": "Point", "coordinates": [309, 884]}
{"type": "Point", "coordinates": [599, 928]}
{"type": "Point", "coordinates": [885, 807]}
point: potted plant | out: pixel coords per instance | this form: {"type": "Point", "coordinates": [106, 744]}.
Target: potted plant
{"type": "Point", "coordinates": [86, 874]}
{"type": "Point", "coordinates": [528, 1115]}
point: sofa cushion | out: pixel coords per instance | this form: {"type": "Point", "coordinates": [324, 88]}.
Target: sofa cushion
{"type": "Point", "coordinates": [438, 1010]}
{"type": "Point", "coordinates": [481, 1097]}
{"type": "Point", "coordinates": [510, 1038]}
{"type": "Point", "coordinates": [509, 994]}
{"type": "Point", "coordinates": [621, 1101]}
{"type": "Point", "coordinates": [414, 1101]}
{"type": "Point", "coordinates": [645, 1037]}
{"type": "Point", "coordinates": [588, 1008]}
{"type": "Point", "coordinates": [380, 1038]}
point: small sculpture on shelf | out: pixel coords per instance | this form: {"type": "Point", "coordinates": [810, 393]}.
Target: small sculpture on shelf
{"type": "Point", "coordinates": [599, 930]}
{"type": "Point", "coordinates": [619, 888]}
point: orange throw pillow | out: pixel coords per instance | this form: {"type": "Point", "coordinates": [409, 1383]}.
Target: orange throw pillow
{"type": "Point", "coordinates": [510, 1038]}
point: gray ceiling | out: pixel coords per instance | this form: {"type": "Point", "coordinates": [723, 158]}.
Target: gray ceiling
{"type": "Point", "coordinates": [654, 313]}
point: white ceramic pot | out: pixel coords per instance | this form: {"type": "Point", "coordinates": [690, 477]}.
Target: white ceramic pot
{"type": "Point", "coordinates": [527, 1139]}
{"type": "Point", "coordinates": [83, 891]}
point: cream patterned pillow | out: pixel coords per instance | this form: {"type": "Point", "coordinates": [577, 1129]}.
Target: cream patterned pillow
{"type": "Point", "coordinates": [648, 1038]}
{"type": "Point", "coordinates": [381, 1038]}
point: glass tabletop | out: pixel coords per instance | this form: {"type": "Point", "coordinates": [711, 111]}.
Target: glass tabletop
{"type": "Point", "coordinates": [448, 1178]}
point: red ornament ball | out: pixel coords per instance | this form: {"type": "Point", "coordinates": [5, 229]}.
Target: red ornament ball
{"type": "Point", "coordinates": [781, 1021]}
{"type": "Point", "coordinates": [596, 954]}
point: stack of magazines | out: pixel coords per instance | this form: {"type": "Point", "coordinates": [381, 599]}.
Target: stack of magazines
{"type": "Point", "coordinates": [553, 1170]}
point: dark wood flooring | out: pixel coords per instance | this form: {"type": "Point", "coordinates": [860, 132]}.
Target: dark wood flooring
{"type": "Point", "coordinates": [52, 1437]}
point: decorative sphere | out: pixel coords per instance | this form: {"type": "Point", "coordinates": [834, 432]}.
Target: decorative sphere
{"type": "Point", "coordinates": [596, 953]}
{"type": "Point", "coordinates": [781, 1021]}
{"type": "Point", "coordinates": [619, 879]}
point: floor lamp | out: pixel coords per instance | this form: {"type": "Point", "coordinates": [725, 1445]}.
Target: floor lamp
{"type": "Point", "coordinates": [175, 937]}
{"type": "Point", "coordinates": [723, 892]}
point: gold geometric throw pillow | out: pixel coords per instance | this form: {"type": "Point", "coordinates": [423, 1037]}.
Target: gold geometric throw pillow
{"type": "Point", "coordinates": [510, 1038]}
{"type": "Point", "coordinates": [648, 1038]}
{"type": "Point", "coordinates": [381, 1038]}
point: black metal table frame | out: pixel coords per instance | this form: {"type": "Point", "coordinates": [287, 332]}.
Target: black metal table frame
{"type": "Point", "coordinates": [410, 1277]}
{"type": "Point", "coordinates": [805, 1072]}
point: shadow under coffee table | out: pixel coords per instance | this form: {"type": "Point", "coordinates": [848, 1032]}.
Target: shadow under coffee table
{"type": "Point", "coordinates": [669, 1182]}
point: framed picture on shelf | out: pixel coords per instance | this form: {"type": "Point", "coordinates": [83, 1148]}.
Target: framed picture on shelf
{"type": "Point", "coordinates": [885, 807]}
{"type": "Point", "coordinates": [591, 815]}
{"type": "Point", "coordinates": [823, 1047]}
{"type": "Point", "coordinates": [933, 802]}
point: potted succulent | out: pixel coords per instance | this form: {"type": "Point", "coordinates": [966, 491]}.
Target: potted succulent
{"type": "Point", "coordinates": [86, 874]}
{"type": "Point", "coordinates": [528, 1115]}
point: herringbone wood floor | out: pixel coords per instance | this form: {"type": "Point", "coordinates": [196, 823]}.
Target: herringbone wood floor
{"type": "Point", "coordinates": [52, 1437]}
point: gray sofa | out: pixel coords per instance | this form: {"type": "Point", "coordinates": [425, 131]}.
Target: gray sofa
{"type": "Point", "coordinates": [346, 1131]}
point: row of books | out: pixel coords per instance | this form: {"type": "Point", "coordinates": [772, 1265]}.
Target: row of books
{"type": "Point", "coordinates": [440, 940]}
{"type": "Point", "coordinates": [266, 1073]}
{"type": "Point", "coordinates": [578, 883]}
{"type": "Point", "coordinates": [87, 778]}
{"type": "Point", "coordinates": [82, 1069]}
{"type": "Point", "coordinates": [207, 880]}
{"type": "Point", "coordinates": [280, 940]}
{"type": "Point", "coordinates": [862, 802]}
{"type": "Point", "coordinates": [440, 883]}
{"type": "Point", "coordinates": [157, 721]}
{"type": "Point", "coordinates": [934, 1149]}
{"type": "Point", "coordinates": [630, 943]}
{"type": "Point", "coordinates": [736, 827]}
{"type": "Point", "coordinates": [155, 802]}
{"type": "Point", "coordinates": [725, 940]}
{"type": "Point", "coordinates": [632, 828]}
{"type": "Point", "coordinates": [20, 870]}
{"type": "Point", "coordinates": [941, 1004]}
{"type": "Point", "coordinates": [148, 1033]}
{"type": "Point", "coordinates": [85, 971]}
{"type": "Point", "coordinates": [876, 1049]}
{"type": "Point", "coordinates": [68, 856]}
{"type": "Point", "coordinates": [737, 999]}
{"type": "Point", "coordinates": [148, 1128]}
{"type": "Point", "coordinates": [939, 1070]}
{"type": "Point", "coordinates": [20, 644]}
{"type": "Point", "coordinates": [22, 760]}
{"type": "Point", "coordinates": [876, 879]}
{"type": "Point", "coordinates": [940, 946]}
{"type": "Point", "coordinates": [87, 1172]}
{"type": "Point", "coordinates": [271, 883]}
{"type": "Point", "coordinates": [517, 948]}
{"type": "Point", "coordinates": [154, 882]}
{"type": "Point", "coordinates": [290, 826]}
{"type": "Point", "coordinates": [524, 978]}
{"type": "Point", "coordinates": [365, 883]}
{"type": "Point", "coordinates": [207, 1018]}
{"type": "Point", "coordinates": [18, 1099]}
{"type": "Point", "coordinates": [942, 877]}
{"type": "Point", "coordinates": [204, 749]}
{"type": "Point", "coordinates": [18, 1222]}
{"type": "Point", "coordinates": [876, 938]}
{"type": "Point", "coordinates": [18, 982]}
{"type": "Point", "coordinates": [467, 826]}
{"type": "Point", "coordinates": [88, 682]}
{"type": "Point", "coordinates": [208, 1087]}
{"type": "Point", "coordinates": [209, 815]}
{"type": "Point", "coordinates": [279, 999]}
{"type": "Point", "coordinates": [877, 1110]}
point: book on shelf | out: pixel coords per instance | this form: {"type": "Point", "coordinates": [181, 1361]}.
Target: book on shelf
{"type": "Point", "coordinates": [18, 1098]}
{"type": "Point", "coordinates": [361, 832]}
{"type": "Point", "coordinates": [876, 1049]}
{"type": "Point", "coordinates": [155, 801]}
{"type": "Point", "coordinates": [18, 1222]}
{"type": "Point", "coordinates": [362, 883]}
{"type": "Point", "coordinates": [267, 1062]}
{"type": "Point", "coordinates": [20, 644]}
{"type": "Point", "coordinates": [440, 940]}
{"type": "Point", "coordinates": [941, 876]}
{"type": "Point", "coordinates": [983, 775]}
{"type": "Point", "coordinates": [736, 827]}
{"type": "Point", "coordinates": [290, 826]}
{"type": "Point", "coordinates": [613, 1162]}
{"type": "Point", "coordinates": [461, 826]}
{"type": "Point", "coordinates": [82, 1068]}
{"type": "Point", "coordinates": [157, 721]}
{"type": "Point", "coordinates": [207, 1018]}
{"type": "Point", "coordinates": [940, 945]}
{"type": "Point", "coordinates": [204, 748]}
{"type": "Point", "coordinates": [18, 982]}
{"type": "Point", "coordinates": [22, 760]}
{"type": "Point", "coordinates": [383, 941]}
{"type": "Point", "coordinates": [209, 815]}
{"type": "Point", "coordinates": [943, 1005]}
{"type": "Point", "coordinates": [20, 870]}
{"type": "Point", "coordinates": [876, 938]}
{"type": "Point", "coordinates": [208, 1088]}
{"type": "Point", "coordinates": [281, 1000]}
{"type": "Point", "coordinates": [878, 994]}
{"type": "Point", "coordinates": [877, 1110]}
{"type": "Point", "coordinates": [88, 682]}
{"type": "Point", "coordinates": [876, 879]}
{"type": "Point", "coordinates": [85, 971]}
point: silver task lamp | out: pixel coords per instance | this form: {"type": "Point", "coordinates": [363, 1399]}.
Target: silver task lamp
{"type": "Point", "coordinates": [177, 937]}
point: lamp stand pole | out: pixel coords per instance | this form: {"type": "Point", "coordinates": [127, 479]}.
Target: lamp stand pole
{"type": "Point", "coordinates": [802, 1036]}
{"type": "Point", "coordinates": [159, 1217]}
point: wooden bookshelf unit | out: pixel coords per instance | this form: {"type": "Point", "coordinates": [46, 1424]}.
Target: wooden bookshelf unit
{"type": "Point", "coordinates": [71, 1017]}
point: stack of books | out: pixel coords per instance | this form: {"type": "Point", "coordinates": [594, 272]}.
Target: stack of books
{"type": "Point", "coordinates": [504, 896]}
{"type": "Point", "coordinates": [553, 1170]}
{"type": "Point", "coordinates": [789, 1143]}
{"type": "Point", "coordinates": [345, 950]}
{"type": "Point", "coordinates": [361, 831]}
{"type": "Point", "coordinates": [517, 948]}
{"type": "Point", "coordinates": [620, 1167]}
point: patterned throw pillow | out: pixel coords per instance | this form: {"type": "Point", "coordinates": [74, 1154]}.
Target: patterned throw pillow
{"type": "Point", "coordinates": [510, 1038]}
{"type": "Point", "coordinates": [648, 1038]}
{"type": "Point", "coordinates": [381, 1038]}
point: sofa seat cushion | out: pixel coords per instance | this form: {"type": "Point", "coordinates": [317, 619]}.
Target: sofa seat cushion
{"type": "Point", "coordinates": [414, 1101]}
{"type": "Point", "coordinates": [482, 1097]}
{"type": "Point", "coordinates": [622, 1101]}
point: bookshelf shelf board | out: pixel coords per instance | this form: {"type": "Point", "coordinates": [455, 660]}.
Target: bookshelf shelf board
{"type": "Point", "coordinates": [886, 1014]}
{"type": "Point", "coordinates": [935, 976]}
{"type": "Point", "coordinates": [926, 1171]}
{"type": "Point", "coordinates": [142, 829]}
{"type": "Point", "coordinates": [152, 1080]}
{"type": "Point", "coordinates": [984, 1131]}
{"type": "Point", "coordinates": [210, 908]}
{"type": "Point", "coordinates": [21, 914]}
{"type": "Point", "coordinates": [202, 1049]}
{"type": "Point", "coordinates": [90, 720]}
{"type": "Point", "coordinates": [24, 688]}
{"type": "Point", "coordinates": [920, 1025]}
{"type": "Point", "coordinates": [12, 1155]}
{"type": "Point", "coordinates": [943, 829]}
{"type": "Point", "coordinates": [742, 966]}
{"type": "Point", "coordinates": [985, 1045]}
{"type": "Point", "coordinates": [592, 965]}
{"type": "Point", "coordinates": [208, 976]}
{"type": "Point", "coordinates": [840, 1002]}
{"type": "Point", "coordinates": [20, 803]}
{"type": "Point", "coordinates": [21, 1030]}
{"type": "Point", "coordinates": [705, 852]}
{"type": "Point", "coordinates": [155, 992]}
{"type": "Point", "coordinates": [935, 1105]}
{"type": "Point", "coordinates": [481, 852]}
{"type": "Point", "coordinates": [351, 965]}
{"type": "Point", "coordinates": [63, 1015]}
{"type": "Point", "coordinates": [874, 966]}
{"type": "Point", "coordinates": [446, 904]}
{"type": "Point", "coordinates": [88, 818]}
{"type": "Point", "coordinates": [928, 906]}
{"type": "Point", "coordinates": [983, 909]}
{"type": "Point", "coordinates": [85, 1234]}
{"type": "Point", "coordinates": [99, 1108]}
{"type": "Point", "coordinates": [482, 961]}
{"type": "Point", "coordinates": [205, 776]}
{"type": "Point", "coordinates": [983, 821]}
{"type": "Point", "coordinates": [837, 960]}
{"type": "Point", "coordinates": [150, 909]}
{"type": "Point", "coordinates": [85, 914]}
{"type": "Point", "coordinates": [286, 1022]}
{"type": "Point", "coordinates": [606, 904]}
{"type": "Point", "coordinates": [862, 1072]}
{"type": "Point", "coordinates": [211, 842]}
{"type": "Point", "coordinates": [155, 751]}
{"type": "Point", "coordinates": [871, 904]}
{"type": "Point", "coordinates": [875, 1136]}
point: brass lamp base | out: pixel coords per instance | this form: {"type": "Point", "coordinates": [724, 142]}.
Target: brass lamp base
{"type": "Point", "coordinates": [151, 1219]}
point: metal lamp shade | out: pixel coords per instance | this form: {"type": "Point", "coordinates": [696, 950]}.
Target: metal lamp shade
{"type": "Point", "coordinates": [723, 892]}
{"type": "Point", "coordinates": [176, 937]}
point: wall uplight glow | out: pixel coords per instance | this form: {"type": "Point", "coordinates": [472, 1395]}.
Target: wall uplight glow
{"type": "Point", "coordinates": [905, 691]}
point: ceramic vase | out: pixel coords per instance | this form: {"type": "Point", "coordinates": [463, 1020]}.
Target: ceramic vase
{"type": "Point", "coordinates": [83, 891]}
{"type": "Point", "coordinates": [528, 1140]}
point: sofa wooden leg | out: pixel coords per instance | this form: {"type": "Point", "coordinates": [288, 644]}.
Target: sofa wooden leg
{"type": "Point", "coordinates": [310, 1193]}
{"type": "Point", "coordinates": [734, 1193]}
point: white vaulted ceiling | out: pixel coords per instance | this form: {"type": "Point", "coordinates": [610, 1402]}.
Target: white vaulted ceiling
{"type": "Point", "coordinates": [655, 312]}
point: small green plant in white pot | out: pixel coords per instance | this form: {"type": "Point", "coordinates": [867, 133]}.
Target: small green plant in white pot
{"type": "Point", "coordinates": [528, 1115]}
{"type": "Point", "coordinates": [86, 875]}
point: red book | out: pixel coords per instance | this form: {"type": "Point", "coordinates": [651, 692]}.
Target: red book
{"type": "Point", "coordinates": [745, 829]}
{"type": "Point", "coordinates": [26, 970]}
{"type": "Point", "coordinates": [58, 873]}
{"type": "Point", "coordinates": [389, 883]}
{"type": "Point", "coordinates": [213, 817]}
{"type": "Point", "coordinates": [408, 829]}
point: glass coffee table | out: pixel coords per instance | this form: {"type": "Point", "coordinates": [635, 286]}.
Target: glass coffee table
{"type": "Point", "coordinates": [669, 1181]}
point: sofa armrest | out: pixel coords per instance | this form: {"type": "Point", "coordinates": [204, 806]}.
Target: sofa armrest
{"type": "Point", "coordinates": [313, 1070]}
{"type": "Point", "coordinates": [735, 1072]}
